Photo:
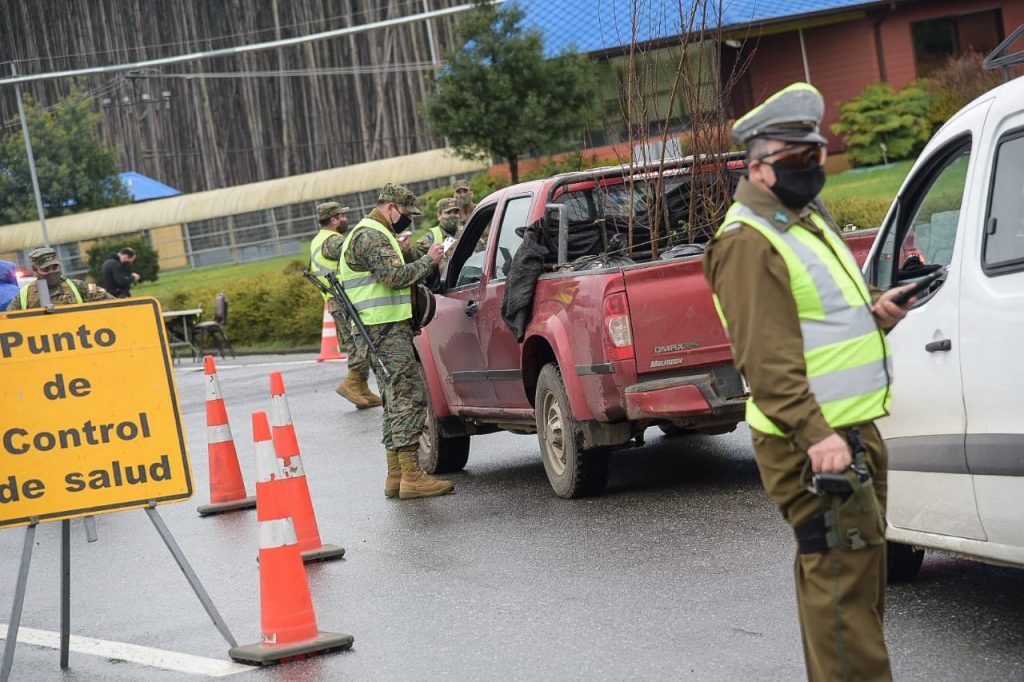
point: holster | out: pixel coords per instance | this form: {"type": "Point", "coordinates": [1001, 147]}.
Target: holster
{"type": "Point", "coordinates": [812, 536]}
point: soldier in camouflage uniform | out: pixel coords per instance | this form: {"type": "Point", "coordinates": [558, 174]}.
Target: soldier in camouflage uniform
{"type": "Point", "coordinates": [46, 267]}
{"type": "Point", "coordinates": [324, 252]}
{"type": "Point", "coordinates": [464, 199]}
{"type": "Point", "coordinates": [379, 281]}
{"type": "Point", "coordinates": [447, 226]}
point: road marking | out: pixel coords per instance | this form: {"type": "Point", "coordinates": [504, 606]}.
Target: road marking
{"type": "Point", "coordinates": [132, 653]}
{"type": "Point", "coordinates": [256, 364]}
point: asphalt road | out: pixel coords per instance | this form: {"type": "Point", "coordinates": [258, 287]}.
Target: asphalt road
{"type": "Point", "coordinates": [682, 570]}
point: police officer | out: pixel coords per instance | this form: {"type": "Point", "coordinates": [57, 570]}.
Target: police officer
{"type": "Point", "coordinates": [378, 280]}
{"type": "Point", "coordinates": [464, 199]}
{"type": "Point", "coordinates": [809, 337]}
{"type": "Point", "coordinates": [324, 251]}
{"type": "Point", "coordinates": [63, 291]}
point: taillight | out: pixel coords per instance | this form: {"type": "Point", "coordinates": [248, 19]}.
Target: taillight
{"type": "Point", "coordinates": [618, 339]}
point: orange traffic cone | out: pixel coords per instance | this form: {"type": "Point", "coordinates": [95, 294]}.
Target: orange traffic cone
{"type": "Point", "coordinates": [286, 445]}
{"type": "Point", "coordinates": [329, 347]}
{"type": "Point", "coordinates": [227, 490]}
{"type": "Point", "coordinates": [287, 619]}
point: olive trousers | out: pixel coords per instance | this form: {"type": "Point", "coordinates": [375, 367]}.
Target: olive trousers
{"type": "Point", "coordinates": [840, 593]}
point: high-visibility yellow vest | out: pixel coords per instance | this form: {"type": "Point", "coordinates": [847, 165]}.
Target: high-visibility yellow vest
{"type": "Point", "coordinates": [376, 303]}
{"type": "Point", "coordinates": [320, 266]}
{"type": "Point", "coordinates": [24, 293]}
{"type": "Point", "coordinates": [849, 367]}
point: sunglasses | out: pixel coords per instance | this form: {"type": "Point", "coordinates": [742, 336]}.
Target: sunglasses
{"type": "Point", "coordinates": [797, 156]}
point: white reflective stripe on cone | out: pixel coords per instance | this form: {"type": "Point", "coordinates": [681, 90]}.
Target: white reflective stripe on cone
{"type": "Point", "coordinates": [269, 466]}
{"type": "Point", "coordinates": [277, 533]}
{"type": "Point", "coordinates": [293, 469]}
{"type": "Point", "coordinates": [220, 433]}
{"type": "Point", "coordinates": [280, 415]}
{"type": "Point", "coordinates": [328, 332]}
{"type": "Point", "coordinates": [212, 387]}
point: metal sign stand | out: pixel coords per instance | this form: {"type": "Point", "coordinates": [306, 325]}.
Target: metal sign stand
{"type": "Point", "coordinates": [65, 586]}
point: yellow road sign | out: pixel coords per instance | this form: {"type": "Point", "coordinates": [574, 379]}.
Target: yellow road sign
{"type": "Point", "coordinates": [89, 419]}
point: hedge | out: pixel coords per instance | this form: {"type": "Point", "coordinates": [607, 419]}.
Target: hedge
{"type": "Point", "coordinates": [281, 310]}
{"type": "Point", "coordinates": [859, 211]}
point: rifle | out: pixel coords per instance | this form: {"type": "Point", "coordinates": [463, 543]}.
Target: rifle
{"type": "Point", "coordinates": [337, 291]}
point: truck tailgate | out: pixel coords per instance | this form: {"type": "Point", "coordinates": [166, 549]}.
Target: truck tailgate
{"type": "Point", "coordinates": [674, 322]}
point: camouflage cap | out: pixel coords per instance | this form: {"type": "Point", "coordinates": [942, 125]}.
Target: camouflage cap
{"type": "Point", "coordinates": [446, 204]}
{"type": "Point", "coordinates": [328, 210]}
{"type": "Point", "coordinates": [793, 114]}
{"type": "Point", "coordinates": [463, 184]}
{"type": "Point", "coordinates": [43, 257]}
{"type": "Point", "coordinates": [398, 194]}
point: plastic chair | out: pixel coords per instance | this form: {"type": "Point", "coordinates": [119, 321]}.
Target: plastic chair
{"type": "Point", "coordinates": [214, 328]}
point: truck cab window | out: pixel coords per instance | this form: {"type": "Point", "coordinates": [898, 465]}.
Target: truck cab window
{"type": "Point", "coordinates": [1004, 227]}
{"type": "Point", "coordinates": [923, 237]}
{"type": "Point", "coordinates": [517, 211]}
{"type": "Point", "coordinates": [467, 266]}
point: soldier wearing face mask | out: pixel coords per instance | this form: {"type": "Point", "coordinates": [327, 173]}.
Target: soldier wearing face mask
{"type": "Point", "coordinates": [464, 200]}
{"type": "Point", "coordinates": [379, 280]}
{"type": "Point", "coordinates": [63, 291]}
{"type": "Point", "coordinates": [808, 334]}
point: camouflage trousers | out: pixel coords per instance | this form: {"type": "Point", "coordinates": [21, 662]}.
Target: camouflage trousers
{"type": "Point", "coordinates": [840, 594]}
{"type": "Point", "coordinates": [404, 392]}
{"type": "Point", "coordinates": [350, 342]}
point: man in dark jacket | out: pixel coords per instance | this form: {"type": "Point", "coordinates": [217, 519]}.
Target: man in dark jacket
{"type": "Point", "coordinates": [117, 276]}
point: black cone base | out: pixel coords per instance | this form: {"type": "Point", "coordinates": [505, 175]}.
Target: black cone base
{"type": "Point", "coordinates": [260, 654]}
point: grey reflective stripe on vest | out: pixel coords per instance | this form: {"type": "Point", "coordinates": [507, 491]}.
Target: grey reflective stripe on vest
{"type": "Point", "coordinates": [852, 382]}
{"type": "Point", "coordinates": [382, 301]}
{"type": "Point", "coordinates": [357, 282]}
{"type": "Point", "coordinates": [321, 271]}
{"type": "Point", "coordinates": [842, 322]}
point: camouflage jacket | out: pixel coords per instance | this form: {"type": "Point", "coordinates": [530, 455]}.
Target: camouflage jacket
{"type": "Point", "coordinates": [370, 251]}
{"type": "Point", "coordinates": [332, 247]}
{"type": "Point", "coordinates": [63, 296]}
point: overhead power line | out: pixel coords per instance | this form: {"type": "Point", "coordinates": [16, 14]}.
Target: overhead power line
{"type": "Point", "coordinates": [241, 49]}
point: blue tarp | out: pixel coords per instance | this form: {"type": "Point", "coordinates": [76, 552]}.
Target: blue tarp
{"type": "Point", "coordinates": [143, 188]}
{"type": "Point", "coordinates": [596, 25]}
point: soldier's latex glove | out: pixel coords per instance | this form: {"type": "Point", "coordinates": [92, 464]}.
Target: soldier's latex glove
{"type": "Point", "coordinates": [436, 251]}
{"type": "Point", "coordinates": [830, 455]}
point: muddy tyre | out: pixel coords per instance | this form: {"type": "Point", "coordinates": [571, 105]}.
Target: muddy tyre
{"type": "Point", "coordinates": [440, 455]}
{"type": "Point", "coordinates": [572, 470]}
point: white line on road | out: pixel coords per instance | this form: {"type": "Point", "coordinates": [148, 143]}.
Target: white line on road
{"type": "Point", "coordinates": [132, 653]}
{"type": "Point", "coordinates": [256, 364]}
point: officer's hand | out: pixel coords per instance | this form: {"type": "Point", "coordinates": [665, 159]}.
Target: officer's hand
{"type": "Point", "coordinates": [889, 313]}
{"type": "Point", "coordinates": [830, 455]}
{"type": "Point", "coordinates": [435, 252]}
{"type": "Point", "coordinates": [136, 276]}
{"type": "Point", "coordinates": [403, 240]}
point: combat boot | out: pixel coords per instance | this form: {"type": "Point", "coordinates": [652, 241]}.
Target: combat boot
{"type": "Point", "coordinates": [371, 398]}
{"type": "Point", "coordinates": [393, 482]}
{"type": "Point", "coordinates": [349, 390]}
{"type": "Point", "coordinates": [416, 482]}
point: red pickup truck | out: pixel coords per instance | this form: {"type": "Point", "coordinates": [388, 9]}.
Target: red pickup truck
{"type": "Point", "coordinates": [605, 352]}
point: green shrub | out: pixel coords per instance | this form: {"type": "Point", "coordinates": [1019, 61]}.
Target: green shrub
{"type": "Point", "coordinates": [147, 261]}
{"type": "Point", "coordinates": [282, 310]}
{"type": "Point", "coordinates": [859, 211]}
{"type": "Point", "coordinates": [903, 122]}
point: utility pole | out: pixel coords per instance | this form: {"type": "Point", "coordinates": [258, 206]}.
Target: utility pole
{"type": "Point", "coordinates": [31, 158]}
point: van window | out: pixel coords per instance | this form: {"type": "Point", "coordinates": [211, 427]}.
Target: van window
{"type": "Point", "coordinates": [516, 213]}
{"type": "Point", "coordinates": [926, 231]}
{"type": "Point", "coordinates": [1004, 227]}
{"type": "Point", "coordinates": [467, 266]}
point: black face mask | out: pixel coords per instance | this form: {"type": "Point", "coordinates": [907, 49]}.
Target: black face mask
{"type": "Point", "coordinates": [796, 187]}
{"type": "Point", "coordinates": [403, 222]}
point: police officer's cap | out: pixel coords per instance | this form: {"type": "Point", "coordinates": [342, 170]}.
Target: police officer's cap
{"type": "Point", "coordinates": [793, 114]}
{"type": "Point", "coordinates": [328, 210]}
{"type": "Point", "coordinates": [399, 195]}
{"type": "Point", "coordinates": [43, 257]}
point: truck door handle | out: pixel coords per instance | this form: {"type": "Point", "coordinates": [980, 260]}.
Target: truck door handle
{"type": "Point", "coordinates": [936, 346]}
{"type": "Point", "coordinates": [471, 308]}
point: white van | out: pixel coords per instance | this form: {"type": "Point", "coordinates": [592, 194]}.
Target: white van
{"type": "Point", "coordinates": [956, 429]}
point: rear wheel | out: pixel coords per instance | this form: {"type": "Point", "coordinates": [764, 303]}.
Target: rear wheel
{"type": "Point", "coordinates": [904, 562]}
{"type": "Point", "coordinates": [440, 455]}
{"type": "Point", "coordinates": [572, 470]}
